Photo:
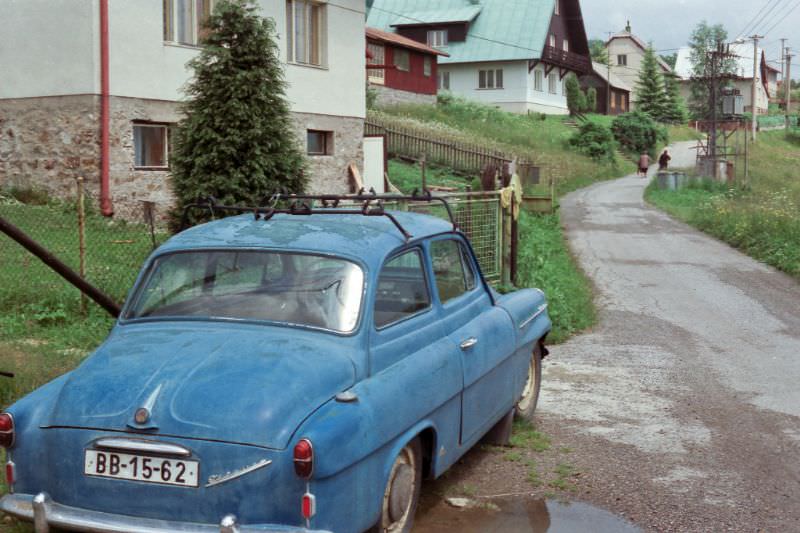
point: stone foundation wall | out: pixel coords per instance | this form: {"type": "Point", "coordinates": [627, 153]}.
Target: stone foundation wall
{"type": "Point", "coordinates": [46, 143]}
{"type": "Point", "coordinates": [328, 174]}
{"type": "Point", "coordinates": [388, 96]}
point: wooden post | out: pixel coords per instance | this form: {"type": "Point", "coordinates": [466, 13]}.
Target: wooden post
{"type": "Point", "coordinates": [506, 240]}
{"type": "Point", "coordinates": [514, 242]}
{"type": "Point", "coordinates": [82, 240]}
{"type": "Point", "coordinates": [422, 165]}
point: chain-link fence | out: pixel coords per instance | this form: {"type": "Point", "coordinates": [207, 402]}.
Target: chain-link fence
{"type": "Point", "coordinates": [108, 252]}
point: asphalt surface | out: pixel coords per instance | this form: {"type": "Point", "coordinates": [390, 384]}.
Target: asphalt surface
{"type": "Point", "coordinates": [683, 403]}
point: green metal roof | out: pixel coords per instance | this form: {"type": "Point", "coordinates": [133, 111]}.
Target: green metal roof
{"type": "Point", "coordinates": [437, 16]}
{"type": "Point", "coordinates": [504, 30]}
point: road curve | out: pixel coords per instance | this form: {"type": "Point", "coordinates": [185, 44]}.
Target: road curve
{"type": "Point", "coordinates": [683, 403]}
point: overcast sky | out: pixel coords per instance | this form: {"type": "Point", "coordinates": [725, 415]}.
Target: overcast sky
{"type": "Point", "coordinates": [669, 23]}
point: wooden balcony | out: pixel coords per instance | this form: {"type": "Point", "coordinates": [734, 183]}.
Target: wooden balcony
{"type": "Point", "coordinates": [566, 60]}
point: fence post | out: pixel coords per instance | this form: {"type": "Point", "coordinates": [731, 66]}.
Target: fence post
{"type": "Point", "coordinates": [506, 240]}
{"type": "Point", "coordinates": [82, 240]}
{"type": "Point", "coordinates": [149, 218]}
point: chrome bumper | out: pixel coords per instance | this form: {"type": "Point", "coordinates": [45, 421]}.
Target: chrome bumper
{"type": "Point", "coordinates": [44, 513]}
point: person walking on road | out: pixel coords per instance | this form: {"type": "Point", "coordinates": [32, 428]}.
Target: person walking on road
{"type": "Point", "coordinates": [644, 164]}
{"type": "Point", "coordinates": [663, 161]}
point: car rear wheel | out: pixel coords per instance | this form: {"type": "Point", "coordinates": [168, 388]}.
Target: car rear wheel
{"type": "Point", "coordinates": [526, 405]}
{"type": "Point", "coordinates": [401, 495]}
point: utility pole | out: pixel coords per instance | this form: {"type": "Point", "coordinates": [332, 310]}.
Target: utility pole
{"type": "Point", "coordinates": [608, 74]}
{"type": "Point", "coordinates": [754, 95]}
{"type": "Point", "coordinates": [787, 81]}
{"type": "Point", "coordinates": [783, 53]}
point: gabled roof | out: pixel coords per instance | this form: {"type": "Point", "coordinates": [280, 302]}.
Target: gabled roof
{"type": "Point", "coordinates": [403, 42]}
{"type": "Point", "coordinates": [743, 56]}
{"type": "Point", "coordinates": [504, 30]}
{"type": "Point", "coordinates": [601, 71]}
{"type": "Point", "coordinates": [641, 44]}
{"type": "Point", "coordinates": [439, 16]}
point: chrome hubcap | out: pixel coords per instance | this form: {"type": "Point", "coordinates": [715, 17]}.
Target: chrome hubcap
{"type": "Point", "coordinates": [399, 493]}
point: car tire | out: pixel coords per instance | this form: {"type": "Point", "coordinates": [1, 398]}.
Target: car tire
{"type": "Point", "coordinates": [500, 434]}
{"type": "Point", "coordinates": [526, 405]}
{"type": "Point", "coordinates": [401, 495]}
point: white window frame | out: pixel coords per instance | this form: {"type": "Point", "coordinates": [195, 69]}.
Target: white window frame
{"type": "Point", "coordinates": [427, 66]}
{"type": "Point", "coordinates": [170, 21]}
{"type": "Point", "coordinates": [538, 80]}
{"type": "Point", "coordinates": [402, 66]}
{"type": "Point", "coordinates": [164, 127]}
{"type": "Point", "coordinates": [557, 10]}
{"type": "Point", "coordinates": [622, 60]}
{"type": "Point", "coordinates": [552, 40]}
{"type": "Point", "coordinates": [309, 39]}
{"type": "Point", "coordinates": [566, 45]}
{"type": "Point", "coordinates": [377, 75]}
{"type": "Point", "coordinates": [443, 82]}
{"type": "Point", "coordinates": [438, 38]}
{"type": "Point", "coordinates": [552, 83]}
{"type": "Point", "coordinates": [490, 79]}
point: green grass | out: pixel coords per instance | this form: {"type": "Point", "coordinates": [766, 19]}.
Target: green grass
{"type": "Point", "coordinates": [407, 177]}
{"type": "Point", "coordinates": [563, 472]}
{"type": "Point", "coordinates": [762, 220]}
{"type": "Point", "coordinates": [526, 436]}
{"type": "Point", "coordinates": [545, 262]}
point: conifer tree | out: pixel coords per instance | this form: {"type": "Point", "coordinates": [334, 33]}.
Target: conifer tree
{"type": "Point", "coordinates": [576, 99]}
{"type": "Point", "coordinates": [236, 142]}
{"type": "Point", "coordinates": [674, 105]}
{"type": "Point", "coordinates": [650, 87]}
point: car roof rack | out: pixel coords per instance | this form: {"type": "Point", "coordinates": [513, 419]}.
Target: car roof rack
{"type": "Point", "coordinates": [371, 205]}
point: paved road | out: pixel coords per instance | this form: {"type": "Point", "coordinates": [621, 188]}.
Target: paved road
{"type": "Point", "coordinates": [684, 402]}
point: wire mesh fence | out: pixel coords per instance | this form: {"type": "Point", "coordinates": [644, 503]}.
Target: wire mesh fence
{"type": "Point", "coordinates": [108, 252]}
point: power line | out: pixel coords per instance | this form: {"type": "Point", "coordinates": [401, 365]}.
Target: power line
{"type": "Point", "coordinates": [783, 18]}
{"type": "Point", "coordinates": [759, 18]}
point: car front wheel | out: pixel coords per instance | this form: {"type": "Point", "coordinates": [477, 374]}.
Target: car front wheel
{"type": "Point", "coordinates": [526, 405]}
{"type": "Point", "coordinates": [401, 495]}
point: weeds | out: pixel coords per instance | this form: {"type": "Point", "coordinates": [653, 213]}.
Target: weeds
{"type": "Point", "coordinates": [526, 436]}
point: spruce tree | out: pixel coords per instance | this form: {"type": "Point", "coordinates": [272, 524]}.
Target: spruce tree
{"type": "Point", "coordinates": [576, 99]}
{"type": "Point", "coordinates": [236, 142]}
{"type": "Point", "coordinates": [674, 105]}
{"type": "Point", "coordinates": [650, 87]}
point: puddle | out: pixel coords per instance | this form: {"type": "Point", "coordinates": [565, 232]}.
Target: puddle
{"type": "Point", "coordinates": [518, 516]}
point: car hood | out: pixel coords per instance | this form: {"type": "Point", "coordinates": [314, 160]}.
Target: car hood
{"type": "Point", "coordinates": [248, 385]}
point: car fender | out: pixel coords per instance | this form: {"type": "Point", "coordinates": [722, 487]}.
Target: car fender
{"type": "Point", "coordinates": [528, 311]}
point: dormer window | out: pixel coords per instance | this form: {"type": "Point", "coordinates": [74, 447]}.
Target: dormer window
{"type": "Point", "coordinates": [552, 40]}
{"type": "Point", "coordinates": [437, 38]}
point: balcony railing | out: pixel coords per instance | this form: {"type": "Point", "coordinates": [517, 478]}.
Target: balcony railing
{"type": "Point", "coordinates": [564, 59]}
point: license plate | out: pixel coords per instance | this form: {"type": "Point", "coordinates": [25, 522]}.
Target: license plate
{"type": "Point", "coordinates": [141, 468]}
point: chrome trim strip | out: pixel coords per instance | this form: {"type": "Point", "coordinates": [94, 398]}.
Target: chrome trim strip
{"type": "Point", "coordinates": [542, 308]}
{"type": "Point", "coordinates": [56, 515]}
{"type": "Point", "coordinates": [218, 479]}
{"type": "Point", "coordinates": [141, 445]}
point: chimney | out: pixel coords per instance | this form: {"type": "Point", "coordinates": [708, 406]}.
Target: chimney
{"type": "Point", "coordinates": [628, 27]}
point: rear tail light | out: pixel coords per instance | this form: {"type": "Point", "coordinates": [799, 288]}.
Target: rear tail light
{"type": "Point", "coordinates": [309, 506]}
{"type": "Point", "coordinates": [6, 430]}
{"type": "Point", "coordinates": [304, 458]}
{"type": "Point", "coordinates": [11, 471]}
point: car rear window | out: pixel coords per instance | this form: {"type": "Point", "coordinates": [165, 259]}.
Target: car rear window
{"type": "Point", "coordinates": [299, 289]}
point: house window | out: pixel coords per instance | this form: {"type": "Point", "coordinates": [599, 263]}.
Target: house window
{"type": "Point", "coordinates": [305, 32]}
{"type": "Point", "coordinates": [427, 67]}
{"type": "Point", "coordinates": [319, 142]}
{"type": "Point", "coordinates": [538, 80]}
{"type": "Point", "coordinates": [183, 20]}
{"type": "Point", "coordinates": [552, 83]}
{"type": "Point", "coordinates": [622, 60]}
{"type": "Point", "coordinates": [490, 79]}
{"type": "Point", "coordinates": [402, 60]}
{"type": "Point", "coordinates": [378, 52]}
{"type": "Point", "coordinates": [444, 81]}
{"type": "Point", "coordinates": [437, 38]}
{"type": "Point", "coordinates": [557, 8]}
{"type": "Point", "coordinates": [613, 100]}
{"type": "Point", "coordinates": [566, 45]}
{"type": "Point", "coordinates": [552, 40]}
{"type": "Point", "coordinates": [150, 146]}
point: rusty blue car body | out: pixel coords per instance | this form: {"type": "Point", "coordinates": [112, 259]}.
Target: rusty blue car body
{"type": "Point", "coordinates": [214, 378]}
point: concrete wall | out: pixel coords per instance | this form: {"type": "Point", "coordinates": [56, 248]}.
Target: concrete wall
{"type": "Point", "coordinates": [544, 101]}
{"type": "Point", "coordinates": [746, 89]}
{"type": "Point", "coordinates": [517, 94]}
{"type": "Point", "coordinates": [386, 96]}
{"type": "Point", "coordinates": [49, 47]}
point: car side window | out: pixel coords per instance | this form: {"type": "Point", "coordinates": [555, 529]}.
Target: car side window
{"type": "Point", "coordinates": [401, 291]}
{"type": "Point", "coordinates": [453, 273]}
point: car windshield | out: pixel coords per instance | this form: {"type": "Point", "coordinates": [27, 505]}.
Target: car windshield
{"type": "Point", "coordinates": [292, 288]}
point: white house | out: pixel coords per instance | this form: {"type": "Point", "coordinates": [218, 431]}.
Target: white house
{"type": "Point", "coordinates": [515, 56]}
{"type": "Point", "coordinates": [61, 59]}
{"type": "Point", "coordinates": [626, 55]}
{"type": "Point", "coordinates": [766, 82]}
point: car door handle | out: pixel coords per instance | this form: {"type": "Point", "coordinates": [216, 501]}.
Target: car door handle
{"type": "Point", "coordinates": [469, 343]}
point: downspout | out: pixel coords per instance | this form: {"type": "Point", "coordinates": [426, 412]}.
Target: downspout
{"type": "Point", "coordinates": [105, 193]}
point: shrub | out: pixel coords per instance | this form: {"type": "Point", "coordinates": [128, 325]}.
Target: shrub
{"type": "Point", "coordinates": [576, 100]}
{"type": "Point", "coordinates": [594, 140]}
{"type": "Point", "coordinates": [591, 100]}
{"type": "Point", "coordinates": [636, 132]}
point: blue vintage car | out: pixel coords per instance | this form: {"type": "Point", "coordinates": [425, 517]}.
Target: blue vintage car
{"type": "Point", "coordinates": [289, 371]}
